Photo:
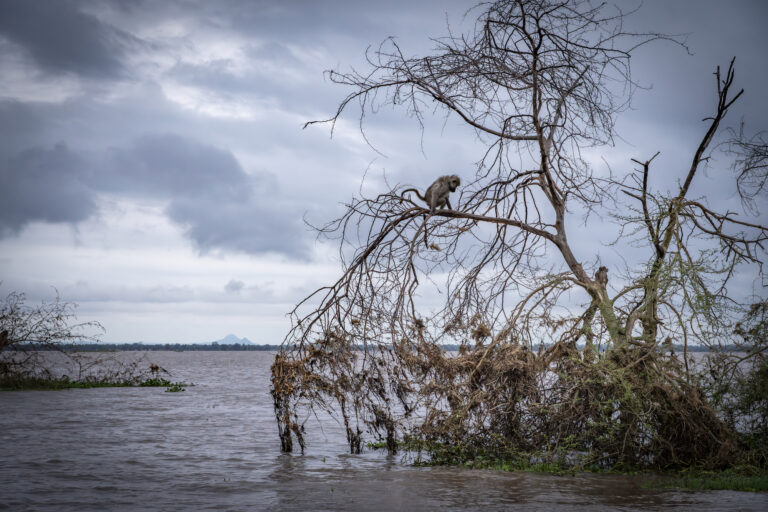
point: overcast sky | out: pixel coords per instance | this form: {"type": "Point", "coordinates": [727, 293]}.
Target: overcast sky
{"type": "Point", "coordinates": [153, 166]}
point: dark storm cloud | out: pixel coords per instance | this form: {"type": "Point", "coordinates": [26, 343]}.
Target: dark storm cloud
{"type": "Point", "coordinates": [252, 227]}
{"type": "Point", "coordinates": [61, 38]}
{"type": "Point", "coordinates": [43, 185]}
{"type": "Point", "coordinates": [217, 202]}
{"type": "Point", "coordinates": [169, 165]}
{"type": "Point", "coordinates": [208, 193]}
{"type": "Point", "coordinates": [286, 45]}
{"type": "Point", "coordinates": [20, 125]}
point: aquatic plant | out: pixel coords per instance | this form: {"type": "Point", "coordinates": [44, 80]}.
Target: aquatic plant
{"type": "Point", "coordinates": [175, 387]}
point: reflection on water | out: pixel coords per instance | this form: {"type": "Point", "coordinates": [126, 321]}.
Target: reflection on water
{"type": "Point", "coordinates": [215, 447]}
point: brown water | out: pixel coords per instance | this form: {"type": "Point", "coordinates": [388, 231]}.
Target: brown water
{"type": "Point", "coordinates": [215, 447]}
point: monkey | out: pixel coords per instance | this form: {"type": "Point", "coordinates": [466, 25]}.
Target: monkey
{"type": "Point", "coordinates": [601, 276]}
{"type": "Point", "coordinates": [437, 196]}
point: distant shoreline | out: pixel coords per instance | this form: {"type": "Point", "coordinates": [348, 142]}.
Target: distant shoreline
{"type": "Point", "coordinates": [220, 347]}
{"type": "Point", "coordinates": [144, 347]}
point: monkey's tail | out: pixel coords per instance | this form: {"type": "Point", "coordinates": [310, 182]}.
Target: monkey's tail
{"type": "Point", "coordinates": [415, 191]}
{"type": "Point", "coordinates": [424, 226]}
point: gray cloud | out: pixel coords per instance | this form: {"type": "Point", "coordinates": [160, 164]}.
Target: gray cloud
{"type": "Point", "coordinates": [170, 165]}
{"type": "Point", "coordinates": [217, 202]}
{"type": "Point", "coordinates": [299, 18]}
{"type": "Point", "coordinates": [234, 286]}
{"type": "Point", "coordinates": [20, 124]}
{"type": "Point", "coordinates": [274, 52]}
{"type": "Point", "coordinates": [251, 227]}
{"type": "Point", "coordinates": [214, 75]}
{"type": "Point", "coordinates": [61, 38]}
{"type": "Point", "coordinates": [207, 192]}
{"type": "Point", "coordinates": [43, 185]}
{"type": "Point", "coordinates": [273, 72]}
{"type": "Point", "coordinates": [306, 20]}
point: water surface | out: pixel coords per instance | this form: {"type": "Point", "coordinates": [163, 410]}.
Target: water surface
{"type": "Point", "coordinates": [215, 447]}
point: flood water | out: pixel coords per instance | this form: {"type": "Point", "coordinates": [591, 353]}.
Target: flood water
{"type": "Point", "coordinates": [215, 447]}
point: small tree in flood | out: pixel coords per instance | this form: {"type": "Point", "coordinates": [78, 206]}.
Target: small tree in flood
{"type": "Point", "coordinates": [27, 330]}
{"type": "Point", "coordinates": [35, 343]}
{"type": "Point", "coordinates": [535, 376]}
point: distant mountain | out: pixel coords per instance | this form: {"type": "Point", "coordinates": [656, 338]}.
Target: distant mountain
{"type": "Point", "coordinates": [231, 339]}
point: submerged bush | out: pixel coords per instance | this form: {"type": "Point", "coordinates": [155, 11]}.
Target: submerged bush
{"type": "Point", "coordinates": [505, 404]}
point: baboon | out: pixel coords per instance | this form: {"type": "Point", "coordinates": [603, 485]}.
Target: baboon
{"type": "Point", "coordinates": [601, 276]}
{"type": "Point", "coordinates": [437, 196]}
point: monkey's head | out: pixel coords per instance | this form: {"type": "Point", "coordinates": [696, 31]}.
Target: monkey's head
{"type": "Point", "coordinates": [603, 269]}
{"type": "Point", "coordinates": [453, 182]}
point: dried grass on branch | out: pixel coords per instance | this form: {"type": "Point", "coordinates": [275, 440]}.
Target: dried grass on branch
{"type": "Point", "coordinates": [509, 405]}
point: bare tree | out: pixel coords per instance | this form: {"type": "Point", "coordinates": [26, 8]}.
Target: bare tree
{"type": "Point", "coordinates": [50, 324]}
{"type": "Point", "coordinates": [35, 343]}
{"type": "Point", "coordinates": [536, 78]}
{"type": "Point", "coordinates": [27, 330]}
{"type": "Point", "coordinates": [38, 345]}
